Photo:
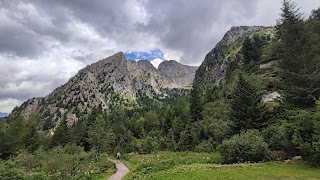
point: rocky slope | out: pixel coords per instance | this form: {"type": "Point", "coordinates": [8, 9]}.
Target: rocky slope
{"type": "Point", "coordinates": [107, 84]}
{"type": "Point", "coordinates": [214, 67]}
{"type": "Point", "coordinates": [181, 75]}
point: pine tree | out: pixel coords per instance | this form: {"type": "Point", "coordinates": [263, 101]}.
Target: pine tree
{"type": "Point", "coordinates": [251, 51]}
{"type": "Point", "coordinates": [247, 51]}
{"type": "Point", "coordinates": [14, 136]}
{"type": "Point", "coordinates": [315, 15]}
{"type": "Point", "coordinates": [196, 106]}
{"type": "Point", "coordinates": [299, 55]}
{"type": "Point", "coordinates": [61, 136]}
{"type": "Point", "coordinates": [101, 136]}
{"type": "Point", "coordinates": [247, 110]}
{"type": "Point", "coordinates": [32, 137]}
{"type": "Point", "coordinates": [290, 13]}
{"type": "Point", "coordinates": [289, 25]}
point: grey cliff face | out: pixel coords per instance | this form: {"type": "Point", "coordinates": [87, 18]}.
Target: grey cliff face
{"type": "Point", "coordinates": [181, 75]}
{"type": "Point", "coordinates": [106, 84]}
{"type": "Point", "coordinates": [214, 67]}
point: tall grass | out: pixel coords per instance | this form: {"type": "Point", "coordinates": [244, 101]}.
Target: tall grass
{"type": "Point", "coordinates": [69, 162]}
{"type": "Point", "coordinates": [142, 165]}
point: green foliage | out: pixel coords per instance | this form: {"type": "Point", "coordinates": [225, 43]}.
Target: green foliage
{"type": "Point", "coordinates": [315, 15]}
{"type": "Point", "coordinates": [147, 145]}
{"type": "Point", "coordinates": [204, 146]}
{"type": "Point", "coordinates": [196, 105]}
{"type": "Point", "coordinates": [252, 51]}
{"type": "Point", "coordinates": [14, 135]}
{"type": "Point", "coordinates": [275, 136]}
{"type": "Point", "coordinates": [69, 162]}
{"type": "Point", "coordinates": [20, 134]}
{"type": "Point", "coordinates": [62, 134]}
{"type": "Point", "coordinates": [244, 147]}
{"type": "Point", "coordinates": [247, 110]}
{"type": "Point", "coordinates": [216, 124]}
{"type": "Point", "coordinates": [299, 53]}
{"type": "Point", "coordinates": [306, 133]}
{"type": "Point", "coordinates": [101, 136]}
{"type": "Point", "coordinates": [145, 164]}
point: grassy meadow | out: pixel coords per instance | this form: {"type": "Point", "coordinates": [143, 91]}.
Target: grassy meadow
{"type": "Point", "coordinates": [191, 165]}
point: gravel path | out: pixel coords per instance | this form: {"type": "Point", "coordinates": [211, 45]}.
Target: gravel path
{"type": "Point", "coordinates": [122, 170]}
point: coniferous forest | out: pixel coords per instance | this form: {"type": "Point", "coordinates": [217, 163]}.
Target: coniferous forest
{"type": "Point", "coordinates": [229, 117]}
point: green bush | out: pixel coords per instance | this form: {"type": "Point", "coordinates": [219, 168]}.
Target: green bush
{"type": "Point", "coordinates": [69, 162]}
{"type": "Point", "coordinates": [148, 145]}
{"type": "Point", "coordinates": [37, 176]}
{"type": "Point", "coordinates": [9, 173]}
{"type": "Point", "coordinates": [204, 146]}
{"type": "Point", "coordinates": [247, 146]}
{"type": "Point", "coordinates": [275, 136]}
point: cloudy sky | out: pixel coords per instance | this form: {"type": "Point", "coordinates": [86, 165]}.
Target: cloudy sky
{"type": "Point", "coordinates": [44, 43]}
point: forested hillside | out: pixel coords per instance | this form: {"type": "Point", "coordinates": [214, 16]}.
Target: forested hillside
{"type": "Point", "coordinates": [264, 106]}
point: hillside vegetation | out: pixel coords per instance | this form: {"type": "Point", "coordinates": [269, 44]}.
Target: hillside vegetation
{"type": "Point", "coordinates": [190, 165]}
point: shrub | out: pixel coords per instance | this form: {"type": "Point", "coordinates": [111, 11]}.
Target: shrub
{"type": "Point", "coordinates": [275, 136]}
{"type": "Point", "coordinates": [204, 146]}
{"type": "Point", "coordinates": [148, 145]}
{"type": "Point", "coordinates": [244, 147]}
{"type": "Point", "coordinates": [8, 174]}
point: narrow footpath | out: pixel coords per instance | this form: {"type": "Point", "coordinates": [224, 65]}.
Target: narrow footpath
{"type": "Point", "coordinates": [122, 170]}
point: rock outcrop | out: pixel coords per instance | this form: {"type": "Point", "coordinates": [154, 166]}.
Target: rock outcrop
{"type": "Point", "coordinates": [215, 65]}
{"type": "Point", "coordinates": [179, 74]}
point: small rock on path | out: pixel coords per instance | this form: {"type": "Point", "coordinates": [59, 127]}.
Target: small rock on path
{"type": "Point", "coordinates": [122, 170]}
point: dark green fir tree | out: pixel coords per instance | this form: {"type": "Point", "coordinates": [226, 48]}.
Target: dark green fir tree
{"type": "Point", "coordinates": [247, 110]}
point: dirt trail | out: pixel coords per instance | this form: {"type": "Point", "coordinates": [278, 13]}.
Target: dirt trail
{"type": "Point", "coordinates": [122, 170]}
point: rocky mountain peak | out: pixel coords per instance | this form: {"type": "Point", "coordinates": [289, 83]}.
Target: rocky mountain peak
{"type": "Point", "coordinates": [180, 74]}
{"type": "Point", "coordinates": [238, 32]}
{"type": "Point", "coordinates": [107, 84]}
{"type": "Point", "coordinates": [214, 67]}
{"type": "Point", "coordinates": [145, 64]}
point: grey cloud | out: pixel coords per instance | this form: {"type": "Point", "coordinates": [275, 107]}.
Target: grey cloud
{"type": "Point", "coordinates": [49, 21]}
{"type": "Point", "coordinates": [62, 36]}
{"type": "Point", "coordinates": [189, 27]}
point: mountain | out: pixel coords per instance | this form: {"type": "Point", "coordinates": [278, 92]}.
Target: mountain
{"type": "Point", "coordinates": [215, 65]}
{"type": "Point", "coordinates": [108, 84]}
{"type": "Point", "coordinates": [180, 74]}
{"type": "Point", "coordinates": [3, 114]}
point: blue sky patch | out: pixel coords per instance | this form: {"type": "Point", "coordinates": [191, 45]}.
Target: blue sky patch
{"type": "Point", "coordinates": [153, 54]}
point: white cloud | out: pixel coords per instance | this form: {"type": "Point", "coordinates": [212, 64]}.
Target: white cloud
{"type": "Point", "coordinates": [156, 62]}
{"type": "Point", "coordinates": [6, 105]}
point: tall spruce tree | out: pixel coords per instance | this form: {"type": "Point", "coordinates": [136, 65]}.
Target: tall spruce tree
{"type": "Point", "coordinates": [32, 137]}
{"type": "Point", "coordinates": [251, 51]}
{"type": "Point", "coordinates": [299, 58]}
{"type": "Point", "coordinates": [101, 136]}
{"type": "Point", "coordinates": [14, 136]}
{"type": "Point", "coordinates": [247, 51]}
{"type": "Point", "coordinates": [247, 110]}
{"type": "Point", "coordinates": [61, 136]}
{"type": "Point", "coordinates": [196, 104]}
